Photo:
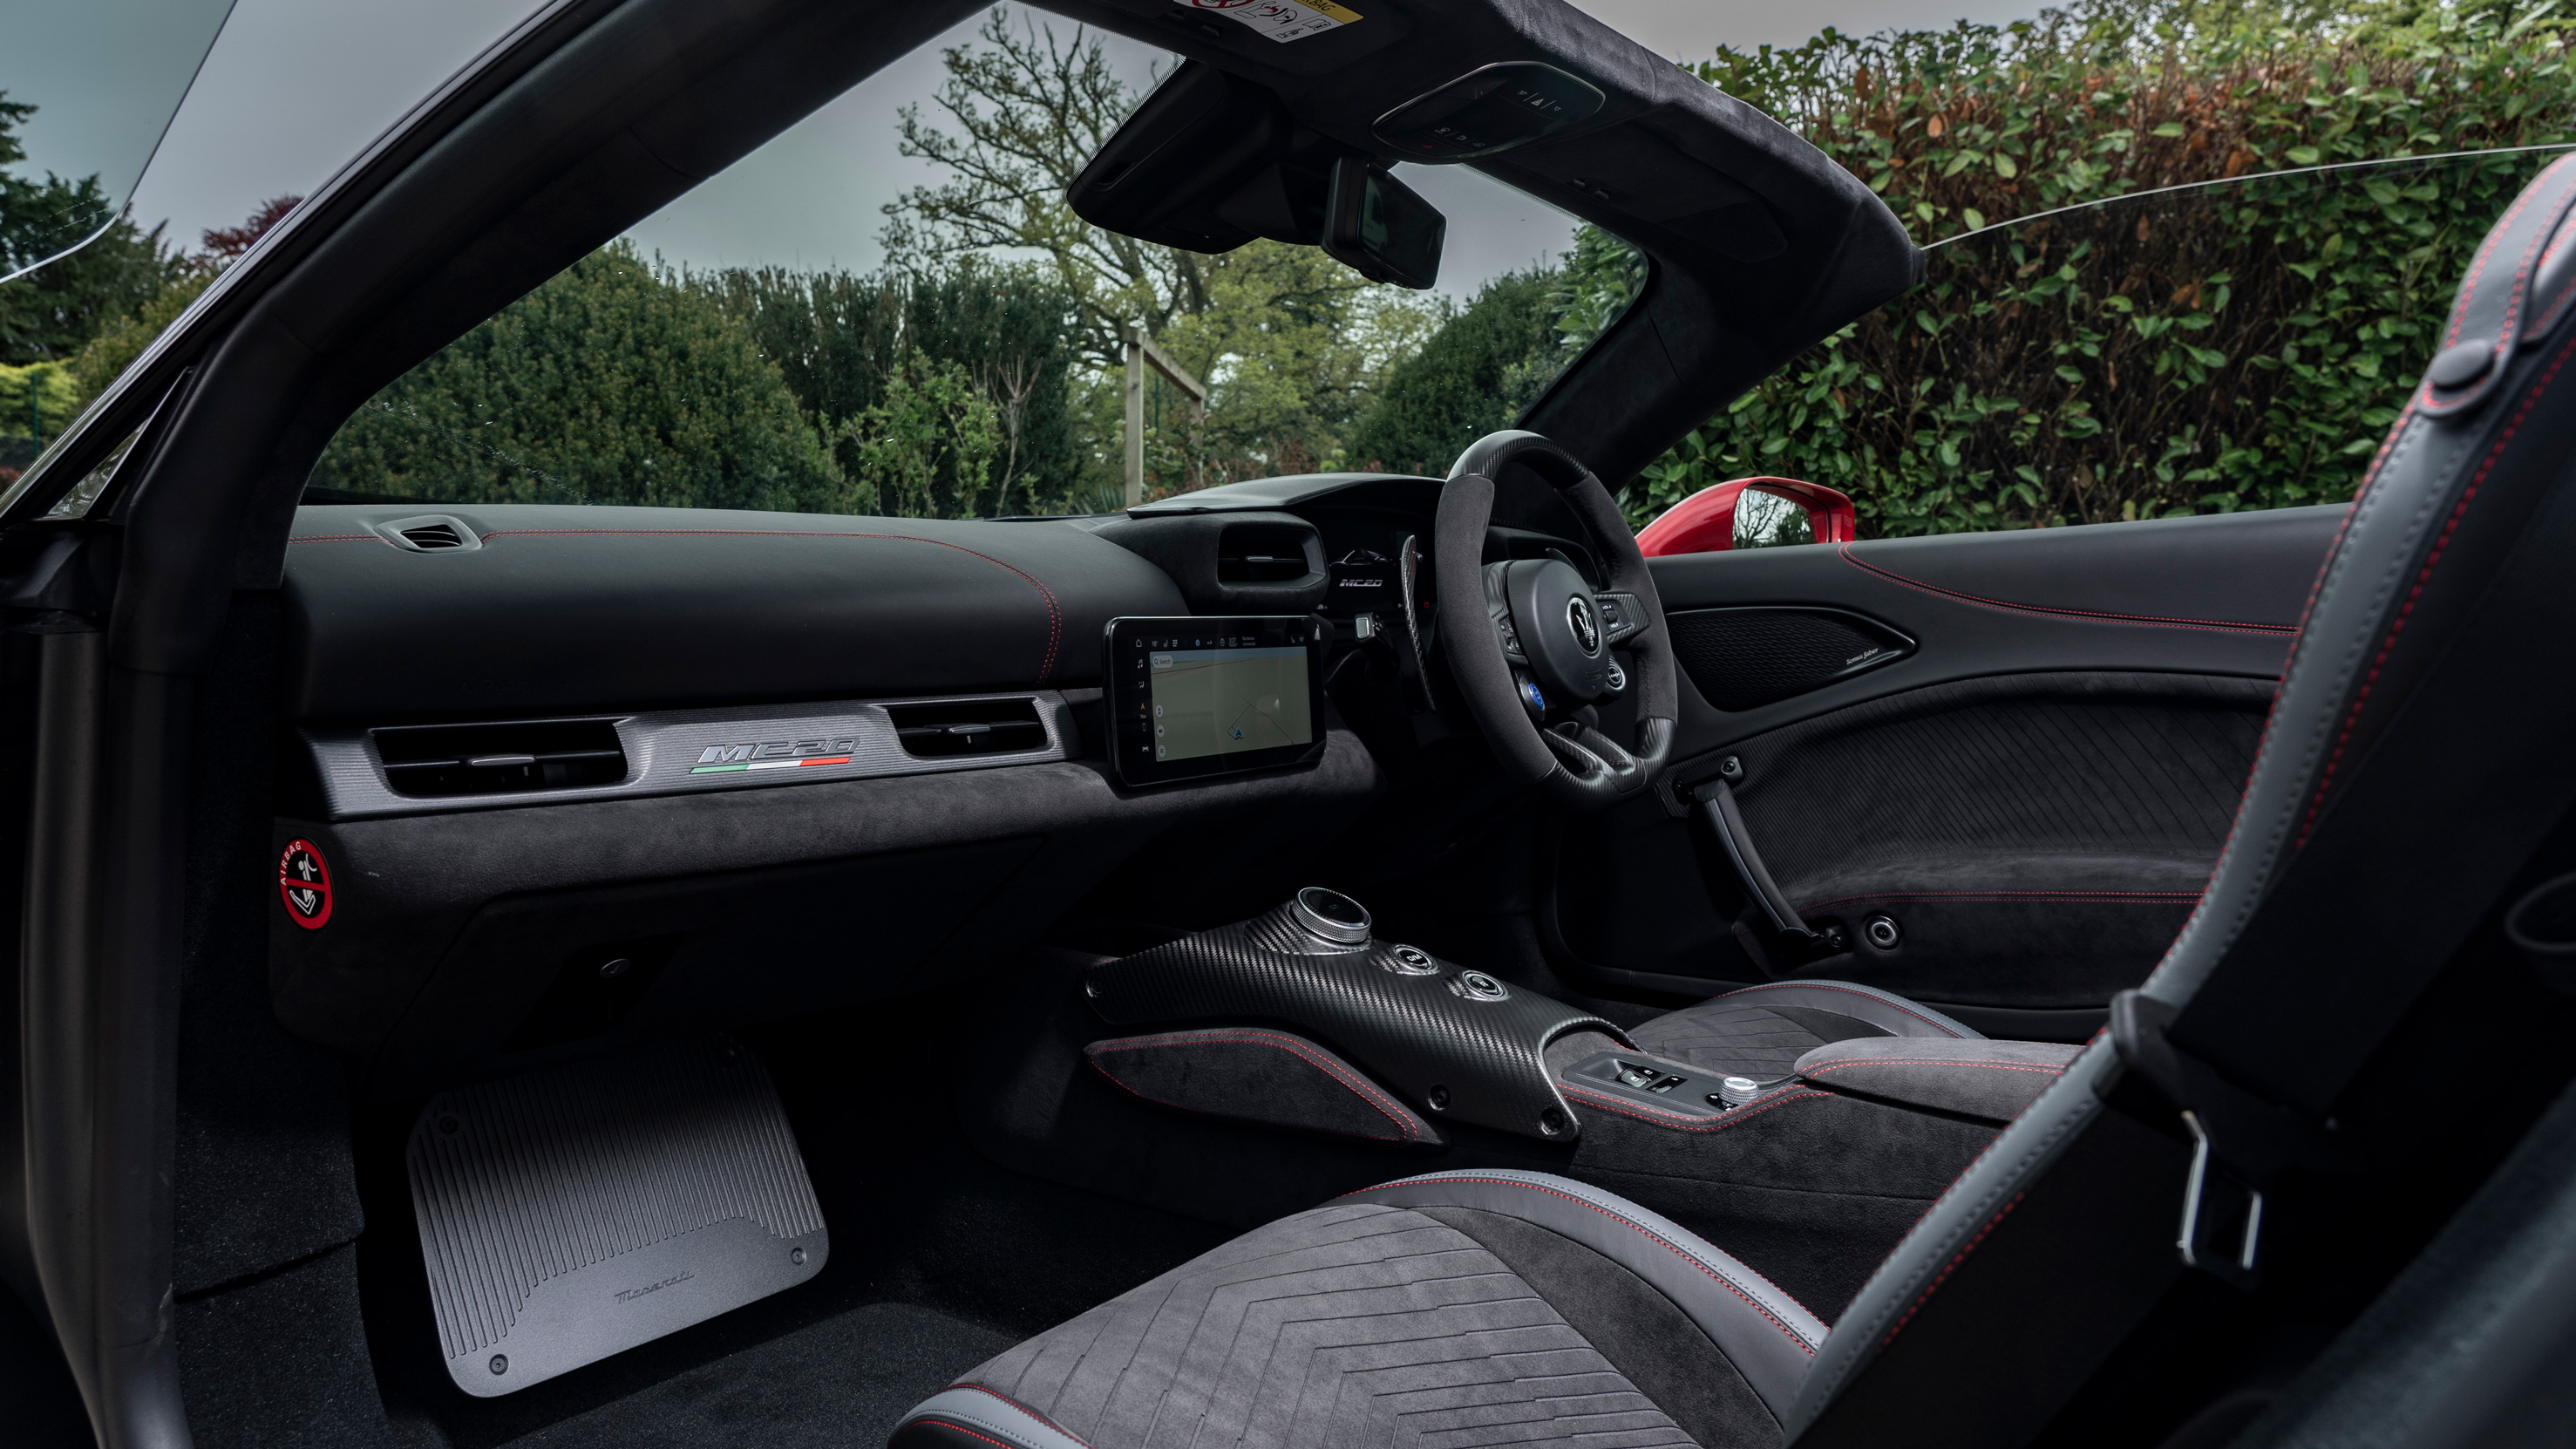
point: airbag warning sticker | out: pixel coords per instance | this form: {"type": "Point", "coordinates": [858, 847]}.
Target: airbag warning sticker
{"type": "Point", "coordinates": [304, 883]}
{"type": "Point", "coordinates": [1283, 20]}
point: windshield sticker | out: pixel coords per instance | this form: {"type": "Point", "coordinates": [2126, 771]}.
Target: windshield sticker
{"type": "Point", "coordinates": [1283, 20]}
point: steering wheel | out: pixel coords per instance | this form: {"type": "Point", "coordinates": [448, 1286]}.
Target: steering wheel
{"type": "Point", "coordinates": [1530, 641]}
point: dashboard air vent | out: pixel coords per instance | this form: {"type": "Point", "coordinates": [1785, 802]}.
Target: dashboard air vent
{"type": "Point", "coordinates": [1261, 553]}
{"type": "Point", "coordinates": [434, 535]}
{"type": "Point", "coordinates": [968, 727]}
{"type": "Point", "coordinates": [446, 760]}
{"type": "Point", "coordinates": [431, 533]}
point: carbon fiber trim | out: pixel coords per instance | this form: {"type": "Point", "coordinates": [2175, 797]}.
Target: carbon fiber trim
{"type": "Point", "coordinates": [1468, 1060]}
{"type": "Point", "coordinates": [662, 748]}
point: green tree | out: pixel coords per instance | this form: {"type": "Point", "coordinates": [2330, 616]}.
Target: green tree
{"type": "Point", "coordinates": [611, 383]}
{"type": "Point", "coordinates": [48, 316]}
{"type": "Point", "coordinates": [839, 340]}
{"type": "Point", "coordinates": [1453, 391]}
{"type": "Point", "coordinates": [927, 446]}
{"type": "Point", "coordinates": [1290, 342]}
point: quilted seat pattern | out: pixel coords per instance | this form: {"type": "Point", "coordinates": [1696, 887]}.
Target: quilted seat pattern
{"type": "Point", "coordinates": [1351, 1325]}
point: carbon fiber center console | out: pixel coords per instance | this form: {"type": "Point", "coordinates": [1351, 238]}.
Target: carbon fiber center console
{"type": "Point", "coordinates": [1454, 1042]}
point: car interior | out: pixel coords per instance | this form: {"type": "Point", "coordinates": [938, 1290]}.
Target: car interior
{"type": "Point", "coordinates": [1331, 958]}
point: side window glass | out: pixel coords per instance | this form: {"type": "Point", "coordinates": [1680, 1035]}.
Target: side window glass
{"type": "Point", "coordinates": [2233, 249]}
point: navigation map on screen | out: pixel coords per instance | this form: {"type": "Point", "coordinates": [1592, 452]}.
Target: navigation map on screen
{"type": "Point", "coordinates": [1219, 701]}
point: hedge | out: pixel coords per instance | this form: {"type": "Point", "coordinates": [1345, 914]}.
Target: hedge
{"type": "Point", "coordinates": [2234, 346]}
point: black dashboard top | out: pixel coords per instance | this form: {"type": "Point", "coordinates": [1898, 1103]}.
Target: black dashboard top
{"type": "Point", "coordinates": [538, 609]}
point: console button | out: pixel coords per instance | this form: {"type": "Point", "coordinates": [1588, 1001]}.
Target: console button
{"type": "Point", "coordinates": [1410, 961]}
{"type": "Point", "coordinates": [1477, 986]}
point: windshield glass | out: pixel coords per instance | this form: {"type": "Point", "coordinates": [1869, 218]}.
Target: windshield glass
{"type": "Point", "coordinates": [891, 309]}
{"type": "Point", "coordinates": [85, 94]}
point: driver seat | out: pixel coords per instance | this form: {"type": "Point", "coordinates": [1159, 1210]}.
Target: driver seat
{"type": "Point", "coordinates": [2356, 918]}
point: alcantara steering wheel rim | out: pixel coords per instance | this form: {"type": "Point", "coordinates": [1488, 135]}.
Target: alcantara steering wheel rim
{"type": "Point", "coordinates": [1498, 656]}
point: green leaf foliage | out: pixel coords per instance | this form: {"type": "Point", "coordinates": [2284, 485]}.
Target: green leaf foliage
{"type": "Point", "coordinates": [611, 383]}
{"type": "Point", "coordinates": [843, 341]}
{"type": "Point", "coordinates": [2238, 346]}
{"type": "Point", "coordinates": [1451, 392]}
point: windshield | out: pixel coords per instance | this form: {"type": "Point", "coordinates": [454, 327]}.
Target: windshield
{"type": "Point", "coordinates": [891, 309]}
{"type": "Point", "coordinates": [85, 93]}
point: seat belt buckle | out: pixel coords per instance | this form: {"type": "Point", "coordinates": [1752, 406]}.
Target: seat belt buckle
{"type": "Point", "coordinates": [2204, 1217]}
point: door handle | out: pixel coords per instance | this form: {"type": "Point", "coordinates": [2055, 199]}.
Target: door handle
{"type": "Point", "coordinates": [1726, 820]}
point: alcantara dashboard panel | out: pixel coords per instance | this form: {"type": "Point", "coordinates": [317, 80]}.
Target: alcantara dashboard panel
{"type": "Point", "coordinates": [684, 751]}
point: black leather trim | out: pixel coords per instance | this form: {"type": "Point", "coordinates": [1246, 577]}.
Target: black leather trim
{"type": "Point", "coordinates": [1255, 1074]}
{"type": "Point", "coordinates": [1995, 1080]}
{"type": "Point", "coordinates": [1770, 1337]}
{"type": "Point", "coordinates": [969, 1416]}
{"type": "Point", "coordinates": [666, 607]}
{"type": "Point", "coordinates": [1883, 1009]}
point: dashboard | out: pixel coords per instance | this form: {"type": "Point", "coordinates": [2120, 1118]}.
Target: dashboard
{"type": "Point", "coordinates": [774, 763]}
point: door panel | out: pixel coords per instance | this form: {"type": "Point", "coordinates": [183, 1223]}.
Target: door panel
{"type": "Point", "coordinates": [2033, 783]}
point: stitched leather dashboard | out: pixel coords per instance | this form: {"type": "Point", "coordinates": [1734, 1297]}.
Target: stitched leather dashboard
{"type": "Point", "coordinates": [563, 609]}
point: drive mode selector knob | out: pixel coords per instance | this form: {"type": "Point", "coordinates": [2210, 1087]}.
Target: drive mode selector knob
{"type": "Point", "coordinates": [1330, 916]}
{"type": "Point", "coordinates": [1411, 961]}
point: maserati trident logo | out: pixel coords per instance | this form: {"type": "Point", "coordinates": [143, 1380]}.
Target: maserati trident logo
{"type": "Point", "coordinates": [1578, 615]}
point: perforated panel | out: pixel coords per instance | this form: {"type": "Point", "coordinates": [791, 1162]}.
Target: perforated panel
{"type": "Point", "coordinates": [1744, 658]}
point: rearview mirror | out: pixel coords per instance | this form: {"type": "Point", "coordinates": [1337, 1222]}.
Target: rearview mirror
{"type": "Point", "coordinates": [1380, 228]}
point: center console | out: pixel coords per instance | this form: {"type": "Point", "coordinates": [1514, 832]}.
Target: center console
{"type": "Point", "coordinates": [1252, 1070]}
{"type": "Point", "coordinates": [1455, 1042]}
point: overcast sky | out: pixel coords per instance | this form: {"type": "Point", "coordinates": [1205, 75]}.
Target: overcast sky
{"type": "Point", "coordinates": [293, 88]}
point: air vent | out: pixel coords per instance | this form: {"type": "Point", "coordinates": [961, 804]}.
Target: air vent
{"type": "Point", "coordinates": [968, 727]}
{"type": "Point", "coordinates": [431, 533]}
{"type": "Point", "coordinates": [434, 761]}
{"type": "Point", "coordinates": [1262, 553]}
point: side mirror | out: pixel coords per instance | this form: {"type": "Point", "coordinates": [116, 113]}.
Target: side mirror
{"type": "Point", "coordinates": [1380, 228]}
{"type": "Point", "coordinates": [1705, 522]}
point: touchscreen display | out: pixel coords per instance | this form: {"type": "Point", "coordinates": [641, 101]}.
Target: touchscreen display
{"type": "Point", "coordinates": [1202, 696]}
{"type": "Point", "coordinates": [1216, 701]}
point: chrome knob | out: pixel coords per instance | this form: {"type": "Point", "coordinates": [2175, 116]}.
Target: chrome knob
{"type": "Point", "coordinates": [1330, 916]}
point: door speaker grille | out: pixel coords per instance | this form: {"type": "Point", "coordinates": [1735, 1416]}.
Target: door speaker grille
{"type": "Point", "coordinates": [574, 1213]}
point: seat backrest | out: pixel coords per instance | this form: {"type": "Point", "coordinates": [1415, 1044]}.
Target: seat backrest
{"type": "Point", "coordinates": [2417, 756]}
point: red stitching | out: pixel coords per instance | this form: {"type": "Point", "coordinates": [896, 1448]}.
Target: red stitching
{"type": "Point", "coordinates": [1654, 1237]}
{"type": "Point", "coordinates": [1055, 611]}
{"type": "Point", "coordinates": [962, 1429]}
{"type": "Point", "coordinates": [2513, 298]}
{"type": "Point", "coordinates": [1847, 991]}
{"type": "Point", "coordinates": [2451, 525]}
{"type": "Point", "coordinates": [1947, 1269]}
{"type": "Point", "coordinates": [1363, 1089]}
{"type": "Point", "coordinates": [1025, 1409]}
{"type": "Point", "coordinates": [2157, 621]}
{"type": "Point", "coordinates": [2156, 897]}
{"type": "Point", "coordinates": [1823, 1067]}
{"type": "Point", "coordinates": [2478, 268]}
{"type": "Point", "coordinates": [1665, 1117]}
